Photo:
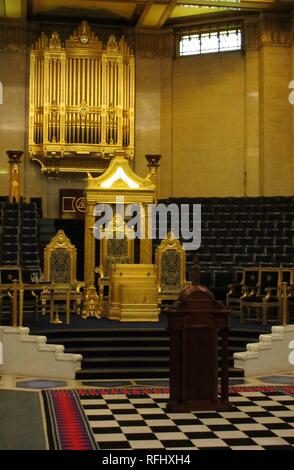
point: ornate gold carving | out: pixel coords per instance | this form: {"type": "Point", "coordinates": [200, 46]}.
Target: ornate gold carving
{"type": "Point", "coordinates": [170, 260]}
{"type": "Point", "coordinates": [91, 304]}
{"type": "Point", "coordinates": [60, 268]}
{"type": "Point", "coordinates": [72, 111]}
{"type": "Point", "coordinates": [119, 175]}
{"type": "Point", "coordinates": [119, 184]}
{"type": "Point", "coordinates": [54, 42]}
{"type": "Point", "coordinates": [56, 164]}
{"type": "Point", "coordinates": [60, 240]}
{"type": "Point", "coordinates": [101, 190]}
{"type": "Point", "coordinates": [14, 157]}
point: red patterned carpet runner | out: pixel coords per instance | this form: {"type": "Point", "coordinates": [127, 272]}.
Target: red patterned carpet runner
{"type": "Point", "coordinates": [67, 425]}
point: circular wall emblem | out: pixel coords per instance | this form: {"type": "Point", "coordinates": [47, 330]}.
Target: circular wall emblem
{"type": "Point", "coordinates": [84, 39]}
{"type": "Point", "coordinates": [79, 204]}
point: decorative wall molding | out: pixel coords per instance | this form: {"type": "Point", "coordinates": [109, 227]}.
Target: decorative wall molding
{"type": "Point", "coordinates": [146, 44]}
{"type": "Point", "coordinates": [273, 29]}
{"type": "Point", "coordinates": [268, 31]}
{"type": "Point", "coordinates": [276, 30]}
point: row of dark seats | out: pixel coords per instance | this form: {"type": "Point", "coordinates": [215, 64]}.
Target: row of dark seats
{"type": "Point", "coordinates": [20, 235]}
{"type": "Point", "coordinates": [237, 232]}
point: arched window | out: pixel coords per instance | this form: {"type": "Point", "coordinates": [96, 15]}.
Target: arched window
{"type": "Point", "coordinates": [1, 92]}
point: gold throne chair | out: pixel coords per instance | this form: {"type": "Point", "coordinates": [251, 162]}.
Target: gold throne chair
{"type": "Point", "coordinates": [116, 247]}
{"type": "Point", "coordinates": [170, 261]}
{"type": "Point", "coordinates": [60, 266]}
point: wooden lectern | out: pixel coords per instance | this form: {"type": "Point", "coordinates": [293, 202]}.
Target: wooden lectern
{"type": "Point", "coordinates": [194, 323]}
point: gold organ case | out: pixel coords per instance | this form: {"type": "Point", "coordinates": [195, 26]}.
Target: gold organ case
{"type": "Point", "coordinates": [81, 101]}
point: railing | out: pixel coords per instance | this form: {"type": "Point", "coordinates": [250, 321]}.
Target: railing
{"type": "Point", "coordinates": [286, 294]}
{"type": "Point", "coordinates": [16, 292]}
{"type": "Point", "coordinates": [12, 291]}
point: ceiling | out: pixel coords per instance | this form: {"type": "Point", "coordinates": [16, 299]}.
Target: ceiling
{"type": "Point", "coordinates": [149, 14]}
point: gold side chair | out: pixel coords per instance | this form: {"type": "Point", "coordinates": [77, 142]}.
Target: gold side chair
{"type": "Point", "coordinates": [249, 281]}
{"type": "Point", "coordinates": [265, 296]}
{"type": "Point", "coordinates": [287, 295]}
{"type": "Point", "coordinates": [170, 261]}
{"type": "Point", "coordinates": [116, 247]}
{"type": "Point", "coordinates": [60, 267]}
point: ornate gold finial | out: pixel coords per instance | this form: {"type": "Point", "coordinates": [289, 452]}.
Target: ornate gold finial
{"type": "Point", "coordinates": [54, 40]}
{"type": "Point", "coordinates": [153, 164]}
{"type": "Point", "coordinates": [195, 271]}
{"type": "Point", "coordinates": [153, 160]}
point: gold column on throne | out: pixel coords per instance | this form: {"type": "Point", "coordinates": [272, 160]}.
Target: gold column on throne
{"type": "Point", "coordinates": [14, 160]}
{"type": "Point", "coordinates": [118, 181]}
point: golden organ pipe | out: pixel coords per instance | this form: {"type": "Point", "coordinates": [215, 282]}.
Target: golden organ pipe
{"type": "Point", "coordinates": [59, 84]}
{"type": "Point", "coordinates": [88, 61]}
{"type": "Point", "coordinates": [83, 79]}
{"type": "Point", "coordinates": [79, 82]}
{"type": "Point", "coordinates": [97, 132]}
{"type": "Point", "coordinates": [68, 83]}
{"type": "Point", "coordinates": [49, 98]}
{"type": "Point", "coordinates": [53, 98]}
{"type": "Point", "coordinates": [91, 99]}
{"type": "Point", "coordinates": [50, 81]}
{"type": "Point", "coordinates": [36, 101]}
{"type": "Point", "coordinates": [37, 78]}
{"type": "Point", "coordinates": [38, 109]}
{"type": "Point", "coordinates": [111, 82]}
{"type": "Point", "coordinates": [39, 83]}
{"type": "Point", "coordinates": [68, 139]}
{"type": "Point", "coordinates": [99, 83]}
{"type": "Point", "coordinates": [60, 100]}
{"type": "Point", "coordinates": [95, 80]}
{"type": "Point", "coordinates": [74, 96]}
{"type": "Point", "coordinates": [42, 101]}
{"type": "Point", "coordinates": [57, 102]}
{"type": "Point", "coordinates": [92, 83]}
{"type": "Point", "coordinates": [32, 99]}
{"type": "Point", "coordinates": [65, 77]}
{"type": "Point", "coordinates": [108, 83]}
{"type": "Point", "coordinates": [67, 92]}
{"type": "Point", "coordinates": [73, 99]}
{"type": "Point", "coordinates": [117, 83]}
{"type": "Point", "coordinates": [53, 81]}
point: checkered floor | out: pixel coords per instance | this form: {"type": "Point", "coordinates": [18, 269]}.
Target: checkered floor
{"type": "Point", "coordinates": [260, 420]}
